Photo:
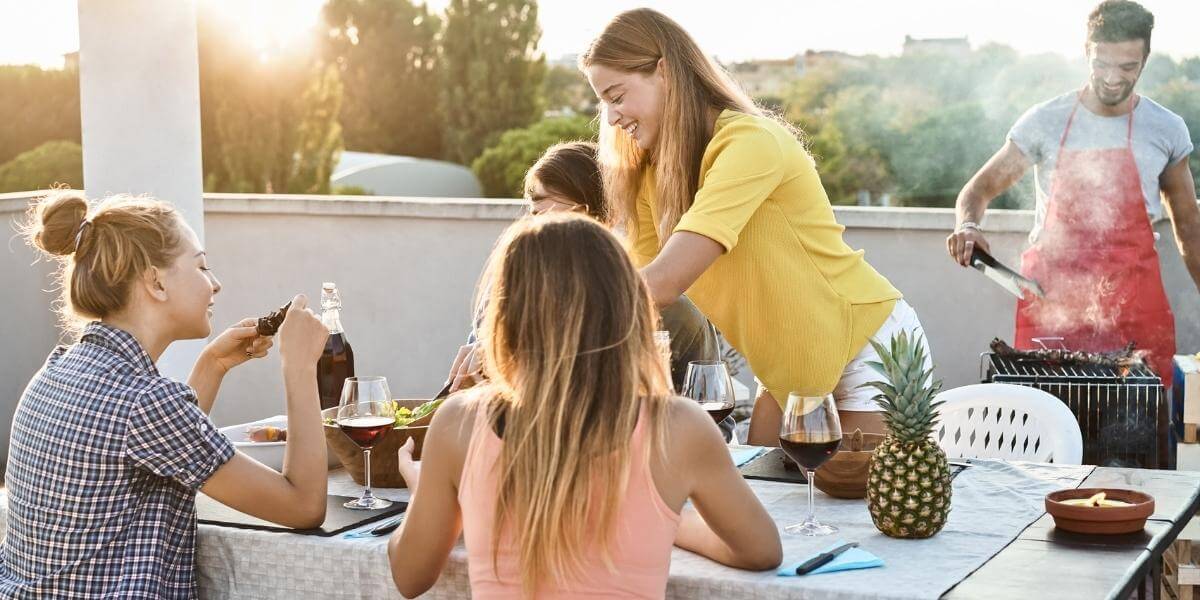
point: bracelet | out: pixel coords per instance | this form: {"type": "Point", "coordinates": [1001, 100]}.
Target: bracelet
{"type": "Point", "coordinates": [969, 225]}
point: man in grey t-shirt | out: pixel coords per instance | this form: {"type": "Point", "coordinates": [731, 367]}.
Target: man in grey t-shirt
{"type": "Point", "coordinates": [1105, 158]}
{"type": "Point", "coordinates": [1160, 140]}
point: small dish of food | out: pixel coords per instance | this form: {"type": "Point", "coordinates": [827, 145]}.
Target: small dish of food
{"type": "Point", "coordinates": [263, 440]}
{"type": "Point", "coordinates": [1100, 511]}
{"type": "Point", "coordinates": [266, 440]}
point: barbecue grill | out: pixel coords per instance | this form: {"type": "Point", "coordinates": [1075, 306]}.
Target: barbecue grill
{"type": "Point", "coordinates": [1122, 411]}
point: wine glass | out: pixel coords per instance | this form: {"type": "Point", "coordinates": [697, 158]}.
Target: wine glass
{"type": "Point", "coordinates": [365, 414]}
{"type": "Point", "coordinates": [810, 435]}
{"type": "Point", "coordinates": [708, 382]}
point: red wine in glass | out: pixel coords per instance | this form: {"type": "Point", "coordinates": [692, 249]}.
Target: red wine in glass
{"type": "Point", "coordinates": [808, 451]}
{"type": "Point", "coordinates": [810, 434]}
{"type": "Point", "coordinates": [366, 430]}
{"type": "Point", "coordinates": [718, 410]}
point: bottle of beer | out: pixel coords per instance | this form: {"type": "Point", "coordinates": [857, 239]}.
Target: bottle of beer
{"type": "Point", "coordinates": [337, 361]}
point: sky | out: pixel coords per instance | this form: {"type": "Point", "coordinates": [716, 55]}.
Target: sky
{"type": "Point", "coordinates": [41, 31]}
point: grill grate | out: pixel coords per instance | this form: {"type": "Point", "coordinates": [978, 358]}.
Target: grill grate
{"type": "Point", "coordinates": [1122, 413]}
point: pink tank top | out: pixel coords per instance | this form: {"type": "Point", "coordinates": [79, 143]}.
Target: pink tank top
{"type": "Point", "coordinates": [640, 549]}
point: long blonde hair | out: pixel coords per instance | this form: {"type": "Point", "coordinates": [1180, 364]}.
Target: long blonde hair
{"type": "Point", "coordinates": [635, 41]}
{"type": "Point", "coordinates": [569, 349]}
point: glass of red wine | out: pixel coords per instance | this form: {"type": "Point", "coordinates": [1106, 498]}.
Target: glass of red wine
{"type": "Point", "coordinates": [810, 435]}
{"type": "Point", "coordinates": [365, 414]}
{"type": "Point", "coordinates": [708, 382]}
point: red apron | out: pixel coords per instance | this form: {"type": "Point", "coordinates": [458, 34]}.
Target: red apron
{"type": "Point", "coordinates": [1096, 261]}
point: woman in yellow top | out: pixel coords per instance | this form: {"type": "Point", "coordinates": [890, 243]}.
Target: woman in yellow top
{"type": "Point", "coordinates": [722, 201]}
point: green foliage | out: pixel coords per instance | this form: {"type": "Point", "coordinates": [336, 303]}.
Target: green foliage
{"type": "Point", "coordinates": [918, 127]}
{"type": "Point", "coordinates": [268, 122]}
{"type": "Point", "coordinates": [53, 163]}
{"type": "Point", "coordinates": [501, 168]}
{"type": "Point", "coordinates": [351, 190]}
{"type": "Point", "coordinates": [492, 74]}
{"type": "Point", "coordinates": [37, 106]}
{"type": "Point", "coordinates": [1182, 96]}
{"type": "Point", "coordinates": [567, 91]}
{"type": "Point", "coordinates": [387, 55]}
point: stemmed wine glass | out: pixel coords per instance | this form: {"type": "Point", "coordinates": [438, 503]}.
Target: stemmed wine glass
{"type": "Point", "coordinates": [365, 414]}
{"type": "Point", "coordinates": [810, 435]}
{"type": "Point", "coordinates": [708, 382]}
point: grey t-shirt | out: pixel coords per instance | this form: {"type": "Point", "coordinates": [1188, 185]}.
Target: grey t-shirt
{"type": "Point", "coordinates": [1160, 140]}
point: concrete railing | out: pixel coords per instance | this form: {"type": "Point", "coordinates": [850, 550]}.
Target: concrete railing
{"type": "Point", "coordinates": [407, 269]}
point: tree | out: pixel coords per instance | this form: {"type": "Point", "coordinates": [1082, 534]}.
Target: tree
{"type": "Point", "coordinates": [567, 91]}
{"type": "Point", "coordinates": [53, 163]}
{"type": "Point", "coordinates": [268, 122]}
{"type": "Point", "coordinates": [501, 168]}
{"type": "Point", "coordinates": [387, 55]}
{"type": "Point", "coordinates": [1182, 96]}
{"type": "Point", "coordinates": [940, 153]}
{"type": "Point", "coordinates": [492, 74]}
{"type": "Point", "coordinates": [37, 106]}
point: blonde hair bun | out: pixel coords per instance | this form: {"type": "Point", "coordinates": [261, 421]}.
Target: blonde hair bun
{"type": "Point", "coordinates": [55, 220]}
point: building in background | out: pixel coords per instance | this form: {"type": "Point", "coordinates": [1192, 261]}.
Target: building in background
{"type": "Point", "coordinates": [957, 47]}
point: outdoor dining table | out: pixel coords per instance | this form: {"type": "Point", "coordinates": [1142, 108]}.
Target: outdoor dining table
{"type": "Point", "coordinates": [997, 543]}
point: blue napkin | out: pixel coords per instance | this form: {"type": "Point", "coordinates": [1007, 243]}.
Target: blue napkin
{"type": "Point", "coordinates": [365, 530]}
{"type": "Point", "coordinates": [744, 454]}
{"type": "Point", "coordinates": [854, 558]}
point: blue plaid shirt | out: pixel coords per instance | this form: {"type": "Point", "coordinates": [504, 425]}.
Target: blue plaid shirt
{"type": "Point", "coordinates": [104, 463]}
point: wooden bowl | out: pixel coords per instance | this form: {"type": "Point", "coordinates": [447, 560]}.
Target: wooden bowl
{"type": "Point", "coordinates": [845, 474]}
{"type": "Point", "coordinates": [385, 470]}
{"type": "Point", "coordinates": [1100, 520]}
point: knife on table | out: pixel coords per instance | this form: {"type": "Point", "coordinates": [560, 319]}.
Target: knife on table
{"type": "Point", "coordinates": [1010, 280]}
{"type": "Point", "coordinates": [823, 559]}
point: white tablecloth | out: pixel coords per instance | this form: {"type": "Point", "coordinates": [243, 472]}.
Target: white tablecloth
{"type": "Point", "coordinates": [993, 502]}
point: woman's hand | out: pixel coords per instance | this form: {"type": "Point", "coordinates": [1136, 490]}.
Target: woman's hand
{"type": "Point", "coordinates": [467, 369]}
{"type": "Point", "coordinates": [236, 345]}
{"type": "Point", "coordinates": [410, 469]}
{"type": "Point", "coordinates": [302, 336]}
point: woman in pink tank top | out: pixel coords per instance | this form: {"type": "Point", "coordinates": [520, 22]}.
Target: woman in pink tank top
{"type": "Point", "coordinates": [558, 472]}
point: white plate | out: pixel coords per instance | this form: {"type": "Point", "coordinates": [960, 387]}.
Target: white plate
{"type": "Point", "coordinates": [267, 453]}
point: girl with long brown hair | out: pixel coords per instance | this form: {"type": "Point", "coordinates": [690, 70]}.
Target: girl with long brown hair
{"type": "Point", "coordinates": [558, 470]}
{"type": "Point", "coordinates": [722, 200]}
{"type": "Point", "coordinates": [566, 178]}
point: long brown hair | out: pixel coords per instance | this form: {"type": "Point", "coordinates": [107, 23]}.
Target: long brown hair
{"type": "Point", "coordinates": [102, 251]}
{"type": "Point", "coordinates": [570, 170]}
{"type": "Point", "coordinates": [569, 350]}
{"type": "Point", "coordinates": [635, 41]}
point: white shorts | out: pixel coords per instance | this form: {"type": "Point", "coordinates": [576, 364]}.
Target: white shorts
{"type": "Point", "coordinates": [848, 394]}
{"type": "Point", "coordinates": [851, 397]}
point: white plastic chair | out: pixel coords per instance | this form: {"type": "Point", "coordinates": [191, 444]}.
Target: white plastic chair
{"type": "Point", "coordinates": [1008, 422]}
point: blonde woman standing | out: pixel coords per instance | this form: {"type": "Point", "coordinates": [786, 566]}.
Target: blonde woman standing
{"type": "Point", "coordinates": [723, 201]}
{"type": "Point", "coordinates": [558, 471]}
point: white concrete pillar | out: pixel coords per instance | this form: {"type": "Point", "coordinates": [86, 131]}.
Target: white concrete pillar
{"type": "Point", "coordinates": [139, 81]}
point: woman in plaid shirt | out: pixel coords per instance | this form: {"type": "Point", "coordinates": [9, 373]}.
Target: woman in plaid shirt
{"type": "Point", "coordinates": [106, 454]}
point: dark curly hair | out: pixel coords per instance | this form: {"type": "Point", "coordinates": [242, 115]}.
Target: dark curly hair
{"type": "Point", "coordinates": [1120, 21]}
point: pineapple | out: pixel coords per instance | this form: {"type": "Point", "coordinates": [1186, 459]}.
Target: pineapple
{"type": "Point", "coordinates": [908, 485]}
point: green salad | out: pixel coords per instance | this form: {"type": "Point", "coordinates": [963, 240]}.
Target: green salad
{"type": "Point", "coordinates": [404, 415]}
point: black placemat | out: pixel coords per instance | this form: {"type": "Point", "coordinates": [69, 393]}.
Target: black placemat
{"type": "Point", "coordinates": [338, 518]}
{"type": "Point", "coordinates": [770, 467]}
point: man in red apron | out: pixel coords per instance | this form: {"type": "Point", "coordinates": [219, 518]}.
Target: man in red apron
{"type": "Point", "coordinates": [1105, 158]}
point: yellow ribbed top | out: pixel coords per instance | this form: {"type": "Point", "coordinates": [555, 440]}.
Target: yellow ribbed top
{"type": "Point", "coordinates": [788, 293]}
